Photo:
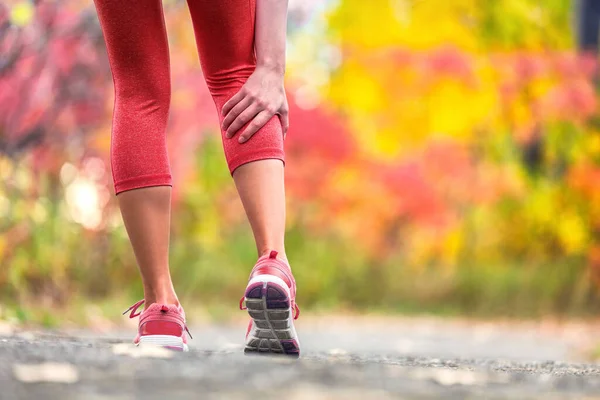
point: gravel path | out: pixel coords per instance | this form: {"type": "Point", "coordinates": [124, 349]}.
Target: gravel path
{"type": "Point", "coordinates": [342, 360]}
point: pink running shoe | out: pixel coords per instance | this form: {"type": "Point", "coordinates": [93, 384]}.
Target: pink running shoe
{"type": "Point", "coordinates": [161, 325]}
{"type": "Point", "coordinates": [271, 302]}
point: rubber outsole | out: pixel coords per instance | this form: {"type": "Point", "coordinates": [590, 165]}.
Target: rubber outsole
{"type": "Point", "coordinates": [167, 341]}
{"type": "Point", "coordinates": [269, 306]}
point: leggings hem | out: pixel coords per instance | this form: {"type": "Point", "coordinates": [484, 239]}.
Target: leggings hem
{"type": "Point", "coordinates": [262, 154]}
{"type": "Point", "coordinates": [143, 181]}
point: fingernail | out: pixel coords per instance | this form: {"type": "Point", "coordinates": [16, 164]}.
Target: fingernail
{"type": "Point", "coordinates": [242, 139]}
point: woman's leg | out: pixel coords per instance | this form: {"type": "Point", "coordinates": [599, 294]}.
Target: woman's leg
{"type": "Point", "coordinates": [260, 185]}
{"type": "Point", "coordinates": [225, 37]}
{"type": "Point", "coordinates": [139, 57]}
{"type": "Point", "coordinates": [147, 216]}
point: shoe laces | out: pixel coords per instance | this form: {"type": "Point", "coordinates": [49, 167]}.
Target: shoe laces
{"type": "Point", "coordinates": [137, 305]}
{"type": "Point", "coordinates": [134, 308]}
{"type": "Point", "coordinates": [296, 308]}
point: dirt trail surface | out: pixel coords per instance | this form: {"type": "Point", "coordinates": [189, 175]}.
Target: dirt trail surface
{"type": "Point", "coordinates": [342, 358]}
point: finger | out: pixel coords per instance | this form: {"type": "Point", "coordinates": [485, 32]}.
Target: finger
{"type": "Point", "coordinates": [232, 102]}
{"type": "Point", "coordinates": [233, 114]}
{"type": "Point", "coordinates": [284, 118]}
{"type": "Point", "coordinates": [242, 119]}
{"type": "Point", "coordinates": [258, 122]}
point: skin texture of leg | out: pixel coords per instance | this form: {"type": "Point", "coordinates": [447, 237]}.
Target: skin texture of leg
{"type": "Point", "coordinates": [260, 185]}
{"type": "Point", "coordinates": [138, 52]}
{"type": "Point", "coordinates": [147, 216]}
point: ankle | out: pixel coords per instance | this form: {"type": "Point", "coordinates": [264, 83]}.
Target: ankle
{"type": "Point", "coordinates": [265, 251]}
{"type": "Point", "coordinates": [152, 296]}
{"type": "Point", "coordinates": [149, 300]}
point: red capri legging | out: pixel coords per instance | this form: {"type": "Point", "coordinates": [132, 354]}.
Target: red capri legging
{"type": "Point", "coordinates": [138, 51]}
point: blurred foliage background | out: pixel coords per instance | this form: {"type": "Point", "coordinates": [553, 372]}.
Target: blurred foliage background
{"type": "Point", "coordinates": [443, 157]}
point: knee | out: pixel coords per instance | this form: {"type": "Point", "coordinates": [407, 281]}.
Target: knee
{"type": "Point", "coordinates": [144, 91]}
{"type": "Point", "coordinates": [267, 143]}
{"type": "Point", "coordinates": [227, 80]}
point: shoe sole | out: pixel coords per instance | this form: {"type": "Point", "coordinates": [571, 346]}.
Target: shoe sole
{"type": "Point", "coordinates": [268, 302]}
{"type": "Point", "coordinates": [167, 341]}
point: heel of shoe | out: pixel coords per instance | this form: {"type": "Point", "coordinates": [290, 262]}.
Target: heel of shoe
{"type": "Point", "coordinates": [166, 341]}
{"type": "Point", "coordinates": [261, 281]}
{"type": "Point", "coordinates": [268, 303]}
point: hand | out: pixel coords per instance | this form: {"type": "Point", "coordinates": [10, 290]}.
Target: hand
{"type": "Point", "coordinates": [261, 97]}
